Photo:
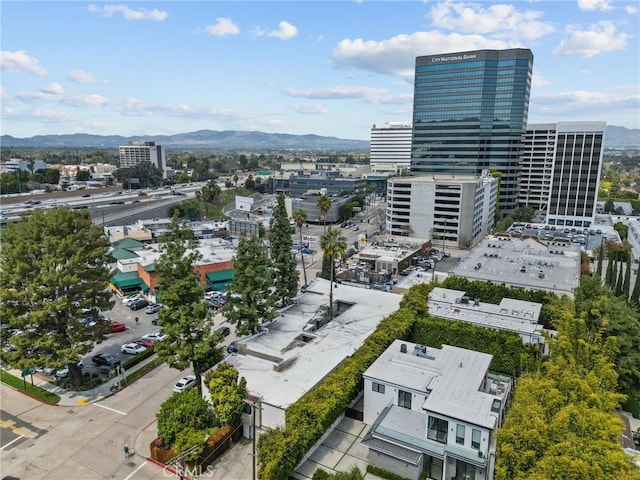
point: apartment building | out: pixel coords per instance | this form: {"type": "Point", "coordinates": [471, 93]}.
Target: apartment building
{"type": "Point", "coordinates": [433, 412]}
{"type": "Point", "coordinates": [455, 211]}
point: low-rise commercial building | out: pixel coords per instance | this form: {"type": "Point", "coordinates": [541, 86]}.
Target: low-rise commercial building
{"type": "Point", "coordinates": [528, 263]}
{"type": "Point", "coordinates": [433, 412]}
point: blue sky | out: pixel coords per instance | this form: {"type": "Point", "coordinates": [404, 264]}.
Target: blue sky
{"type": "Point", "coordinates": [327, 68]}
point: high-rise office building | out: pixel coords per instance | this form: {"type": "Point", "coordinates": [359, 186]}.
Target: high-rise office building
{"type": "Point", "coordinates": [469, 114]}
{"type": "Point", "coordinates": [138, 152]}
{"type": "Point", "coordinates": [391, 144]}
{"type": "Point", "coordinates": [561, 169]}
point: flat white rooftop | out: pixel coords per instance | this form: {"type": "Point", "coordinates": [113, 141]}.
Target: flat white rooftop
{"type": "Point", "coordinates": [501, 260]}
{"type": "Point", "coordinates": [454, 378]}
{"type": "Point", "coordinates": [287, 361]}
{"type": "Point", "coordinates": [513, 315]}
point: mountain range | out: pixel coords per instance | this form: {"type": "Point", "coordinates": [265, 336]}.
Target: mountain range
{"type": "Point", "coordinates": [615, 137]}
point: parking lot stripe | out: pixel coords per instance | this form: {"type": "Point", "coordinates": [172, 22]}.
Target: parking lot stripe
{"type": "Point", "coordinates": [12, 441]}
{"type": "Point", "coordinates": [109, 408]}
{"type": "Point", "coordinates": [12, 427]}
{"type": "Point", "coordinates": [134, 472]}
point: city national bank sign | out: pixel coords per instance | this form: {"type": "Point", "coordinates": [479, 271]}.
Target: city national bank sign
{"type": "Point", "coordinates": [453, 57]}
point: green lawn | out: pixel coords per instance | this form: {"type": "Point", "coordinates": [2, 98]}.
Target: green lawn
{"type": "Point", "coordinates": [34, 391]}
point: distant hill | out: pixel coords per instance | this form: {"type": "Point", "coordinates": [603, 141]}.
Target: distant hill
{"type": "Point", "coordinates": [616, 137]}
{"type": "Point", "coordinates": [228, 139]}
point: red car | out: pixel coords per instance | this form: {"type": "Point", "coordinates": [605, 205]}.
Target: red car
{"type": "Point", "coordinates": [117, 327]}
{"type": "Point", "coordinates": [143, 342]}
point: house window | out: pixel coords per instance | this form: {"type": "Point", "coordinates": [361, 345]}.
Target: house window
{"type": "Point", "coordinates": [437, 429]}
{"type": "Point", "coordinates": [404, 399]}
{"type": "Point", "coordinates": [475, 438]}
{"type": "Point", "coordinates": [377, 387]}
{"type": "Point", "coordinates": [464, 471]}
{"type": "Point", "coordinates": [460, 434]}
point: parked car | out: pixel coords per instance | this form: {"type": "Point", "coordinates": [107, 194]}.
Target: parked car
{"type": "Point", "coordinates": [153, 308]}
{"type": "Point", "coordinates": [138, 304]}
{"type": "Point", "coordinates": [64, 372]}
{"type": "Point", "coordinates": [132, 348]}
{"type": "Point", "coordinates": [105, 360]}
{"type": "Point", "coordinates": [231, 348]}
{"type": "Point", "coordinates": [117, 327]}
{"type": "Point", "coordinates": [143, 342]}
{"type": "Point", "coordinates": [155, 336]}
{"type": "Point", "coordinates": [185, 383]}
{"type": "Point", "coordinates": [224, 330]}
{"type": "Point", "coordinates": [127, 300]}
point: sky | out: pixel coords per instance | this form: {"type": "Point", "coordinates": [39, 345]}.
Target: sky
{"type": "Point", "coordinates": [331, 68]}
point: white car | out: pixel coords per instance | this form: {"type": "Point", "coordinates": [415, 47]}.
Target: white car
{"type": "Point", "coordinates": [132, 348]}
{"type": "Point", "coordinates": [155, 336]}
{"type": "Point", "coordinates": [185, 383]}
{"type": "Point", "coordinates": [131, 298]}
{"type": "Point", "coordinates": [64, 372]}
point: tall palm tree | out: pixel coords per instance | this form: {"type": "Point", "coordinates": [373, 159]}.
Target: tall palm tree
{"type": "Point", "coordinates": [324, 205]}
{"type": "Point", "coordinates": [333, 245]}
{"type": "Point", "coordinates": [300, 217]}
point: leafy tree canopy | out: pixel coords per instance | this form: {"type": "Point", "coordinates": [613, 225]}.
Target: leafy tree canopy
{"type": "Point", "coordinates": [53, 274]}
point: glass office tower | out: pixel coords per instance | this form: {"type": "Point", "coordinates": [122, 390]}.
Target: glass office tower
{"type": "Point", "coordinates": [470, 114]}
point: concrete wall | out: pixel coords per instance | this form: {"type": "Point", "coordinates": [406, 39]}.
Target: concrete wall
{"type": "Point", "coordinates": [391, 464]}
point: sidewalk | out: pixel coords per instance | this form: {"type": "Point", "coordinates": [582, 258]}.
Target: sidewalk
{"type": "Point", "coordinates": [70, 398]}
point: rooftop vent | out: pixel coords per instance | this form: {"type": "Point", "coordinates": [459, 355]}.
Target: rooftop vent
{"type": "Point", "coordinates": [403, 348]}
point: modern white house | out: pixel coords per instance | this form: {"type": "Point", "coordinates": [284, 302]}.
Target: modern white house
{"type": "Point", "coordinates": [433, 412]}
{"type": "Point", "coordinates": [457, 210]}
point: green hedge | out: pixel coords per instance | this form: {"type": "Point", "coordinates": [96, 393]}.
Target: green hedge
{"type": "Point", "coordinates": [281, 450]}
{"type": "Point", "coordinates": [136, 359]}
{"type": "Point", "coordinates": [510, 355]}
{"type": "Point", "coordinates": [382, 473]}
{"type": "Point", "coordinates": [32, 390]}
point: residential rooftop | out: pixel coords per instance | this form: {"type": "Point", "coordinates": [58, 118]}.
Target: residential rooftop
{"type": "Point", "coordinates": [455, 379]}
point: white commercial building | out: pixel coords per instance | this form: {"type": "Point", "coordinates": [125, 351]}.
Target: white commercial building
{"type": "Point", "coordinates": [560, 171]}
{"type": "Point", "coordinates": [391, 144]}
{"type": "Point", "coordinates": [433, 411]}
{"type": "Point", "coordinates": [295, 351]}
{"type": "Point", "coordinates": [511, 315]}
{"type": "Point", "coordinates": [137, 152]}
{"type": "Point", "coordinates": [455, 210]}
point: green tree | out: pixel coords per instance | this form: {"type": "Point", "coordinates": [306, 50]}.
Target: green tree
{"type": "Point", "coordinates": [300, 217]}
{"type": "Point", "coordinates": [626, 283]}
{"type": "Point", "coordinates": [227, 393]}
{"type": "Point", "coordinates": [53, 266]}
{"type": "Point", "coordinates": [620, 280]}
{"type": "Point", "coordinates": [250, 183]}
{"type": "Point", "coordinates": [284, 274]}
{"type": "Point", "coordinates": [608, 206]}
{"type": "Point", "coordinates": [635, 295]}
{"type": "Point", "coordinates": [146, 173]}
{"type": "Point", "coordinates": [250, 300]}
{"type": "Point", "coordinates": [47, 175]}
{"type": "Point", "coordinates": [83, 176]}
{"type": "Point", "coordinates": [622, 230]}
{"type": "Point", "coordinates": [190, 209]}
{"type": "Point", "coordinates": [184, 411]}
{"type": "Point", "coordinates": [190, 339]}
{"type": "Point", "coordinates": [333, 245]}
{"type": "Point", "coordinates": [600, 255]}
{"type": "Point", "coordinates": [614, 274]}
{"type": "Point", "coordinates": [346, 210]}
{"type": "Point", "coordinates": [324, 205]}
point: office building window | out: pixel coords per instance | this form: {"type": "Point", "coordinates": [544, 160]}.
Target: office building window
{"type": "Point", "coordinates": [475, 438]}
{"type": "Point", "coordinates": [460, 434]}
{"type": "Point", "coordinates": [404, 399]}
{"type": "Point", "coordinates": [437, 430]}
{"type": "Point", "coordinates": [377, 387]}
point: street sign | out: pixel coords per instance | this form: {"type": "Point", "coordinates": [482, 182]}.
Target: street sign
{"type": "Point", "coordinates": [28, 371]}
{"type": "Point", "coordinates": [310, 238]}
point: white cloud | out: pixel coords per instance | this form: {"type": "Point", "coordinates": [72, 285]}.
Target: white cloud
{"type": "Point", "coordinates": [337, 92]}
{"type": "Point", "coordinates": [19, 61]}
{"type": "Point", "coordinates": [80, 76]}
{"type": "Point", "coordinates": [631, 10]}
{"type": "Point", "coordinates": [286, 31]}
{"type": "Point", "coordinates": [576, 105]}
{"type": "Point", "coordinates": [311, 108]}
{"type": "Point", "coordinates": [601, 5]}
{"type": "Point", "coordinates": [598, 38]}
{"type": "Point", "coordinates": [538, 80]}
{"type": "Point", "coordinates": [223, 26]}
{"type": "Point", "coordinates": [93, 100]}
{"type": "Point", "coordinates": [500, 20]}
{"type": "Point", "coordinates": [397, 55]}
{"type": "Point", "coordinates": [129, 13]}
{"type": "Point", "coordinates": [53, 89]}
